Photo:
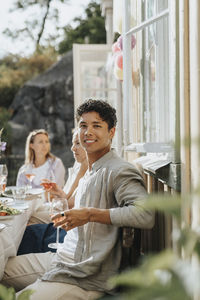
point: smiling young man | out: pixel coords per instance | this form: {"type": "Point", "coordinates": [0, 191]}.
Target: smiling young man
{"type": "Point", "coordinates": [107, 198]}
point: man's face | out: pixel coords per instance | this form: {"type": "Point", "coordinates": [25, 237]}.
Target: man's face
{"type": "Point", "coordinates": [95, 137]}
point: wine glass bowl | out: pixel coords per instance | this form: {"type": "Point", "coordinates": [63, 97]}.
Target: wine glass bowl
{"type": "Point", "coordinates": [3, 170]}
{"type": "Point", "coordinates": [3, 182]}
{"type": "Point", "coordinates": [57, 206]}
{"type": "Point", "coordinates": [3, 177]}
{"type": "Point", "coordinates": [47, 186]}
{"type": "Point", "coordinates": [30, 176]}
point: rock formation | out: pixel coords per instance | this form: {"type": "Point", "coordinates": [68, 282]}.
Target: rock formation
{"type": "Point", "coordinates": [46, 102]}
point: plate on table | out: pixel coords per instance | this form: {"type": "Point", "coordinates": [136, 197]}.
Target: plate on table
{"type": "Point", "coordinates": [8, 191]}
{"type": "Point", "coordinates": [10, 216]}
{"type": "Point", "coordinates": [2, 226]}
{"type": "Point", "coordinates": [34, 191]}
{"type": "Point", "coordinates": [6, 200]}
{"type": "Point", "coordinates": [33, 194]}
{"type": "Point", "coordinates": [7, 212]}
{"type": "Point", "coordinates": [20, 206]}
{"type": "Point", "coordinates": [6, 217]}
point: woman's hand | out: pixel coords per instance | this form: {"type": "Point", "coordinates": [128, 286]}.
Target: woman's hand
{"type": "Point", "coordinates": [54, 189]}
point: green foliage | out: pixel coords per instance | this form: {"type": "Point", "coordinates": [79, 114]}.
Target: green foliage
{"type": "Point", "coordinates": [159, 277]}
{"type": "Point", "coordinates": [166, 275]}
{"type": "Point", "coordinates": [92, 29]}
{"type": "Point", "coordinates": [9, 294]}
{"type": "Point", "coordinates": [167, 204]}
{"type": "Point", "coordinates": [16, 70]}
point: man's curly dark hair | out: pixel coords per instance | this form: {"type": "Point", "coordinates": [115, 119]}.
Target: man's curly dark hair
{"type": "Point", "coordinates": [103, 108]}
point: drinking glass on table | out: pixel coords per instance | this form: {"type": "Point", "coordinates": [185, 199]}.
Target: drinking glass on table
{"type": "Point", "coordinates": [19, 193]}
{"type": "Point", "coordinates": [57, 206]}
{"type": "Point", "coordinates": [30, 176]}
{"type": "Point", "coordinates": [3, 177]}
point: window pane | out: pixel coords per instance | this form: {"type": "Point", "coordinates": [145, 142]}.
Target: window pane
{"type": "Point", "coordinates": [149, 115]}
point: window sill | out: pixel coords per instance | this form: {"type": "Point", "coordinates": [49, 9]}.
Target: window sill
{"type": "Point", "coordinates": [150, 148]}
{"type": "Point", "coordinates": [161, 168]}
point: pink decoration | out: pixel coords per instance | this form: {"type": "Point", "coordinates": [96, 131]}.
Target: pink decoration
{"type": "Point", "coordinates": [119, 60]}
{"type": "Point", "coordinates": [115, 48]}
{"type": "Point", "coordinates": [118, 73]}
{"type": "Point", "coordinates": [120, 42]}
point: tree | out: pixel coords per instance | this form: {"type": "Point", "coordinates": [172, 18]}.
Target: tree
{"type": "Point", "coordinates": [39, 13]}
{"type": "Point", "coordinates": [90, 30]}
{"type": "Point", "coordinates": [16, 70]}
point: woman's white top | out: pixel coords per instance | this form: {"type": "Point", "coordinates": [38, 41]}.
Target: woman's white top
{"type": "Point", "coordinates": [72, 173]}
{"type": "Point", "coordinates": [52, 169]}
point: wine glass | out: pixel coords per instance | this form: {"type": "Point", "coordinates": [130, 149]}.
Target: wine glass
{"type": "Point", "coordinates": [48, 184]}
{"type": "Point", "coordinates": [3, 177]}
{"type": "Point", "coordinates": [30, 176]}
{"type": "Point", "coordinates": [57, 206]}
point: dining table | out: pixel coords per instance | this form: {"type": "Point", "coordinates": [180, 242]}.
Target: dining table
{"type": "Point", "coordinates": [12, 228]}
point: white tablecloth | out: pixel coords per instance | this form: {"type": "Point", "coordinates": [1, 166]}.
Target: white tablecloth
{"type": "Point", "coordinates": [11, 235]}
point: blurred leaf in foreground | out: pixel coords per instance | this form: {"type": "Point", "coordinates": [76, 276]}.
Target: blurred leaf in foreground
{"type": "Point", "coordinates": [159, 277]}
{"type": "Point", "coordinates": [169, 204]}
{"type": "Point", "coordinates": [9, 294]}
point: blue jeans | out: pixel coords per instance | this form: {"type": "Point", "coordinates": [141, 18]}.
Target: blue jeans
{"type": "Point", "coordinates": [37, 237]}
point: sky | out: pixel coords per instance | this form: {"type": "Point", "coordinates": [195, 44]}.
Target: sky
{"type": "Point", "coordinates": [67, 13]}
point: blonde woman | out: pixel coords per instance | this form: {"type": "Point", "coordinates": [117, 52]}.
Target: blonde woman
{"type": "Point", "coordinates": [40, 163]}
{"type": "Point", "coordinates": [74, 174]}
{"type": "Point", "coordinates": [37, 236]}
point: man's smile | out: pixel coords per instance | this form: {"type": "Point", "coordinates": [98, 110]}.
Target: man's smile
{"type": "Point", "coordinates": [89, 141]}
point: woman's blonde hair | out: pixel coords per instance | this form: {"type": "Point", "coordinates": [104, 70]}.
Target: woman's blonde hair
{"type": "Point", "coordinates": [29, 152]}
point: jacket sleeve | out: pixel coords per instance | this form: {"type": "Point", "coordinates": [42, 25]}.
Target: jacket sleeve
{"type": "Point", "coordinates": [131, 195]}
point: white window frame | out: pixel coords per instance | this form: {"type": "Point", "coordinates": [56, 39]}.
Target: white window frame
{"type": "Point", "coordinates": [127, 79]}
{"type": "Point", "coordinates": [103, 52]}
{"type": "Point", "coordinates": [78, 50]}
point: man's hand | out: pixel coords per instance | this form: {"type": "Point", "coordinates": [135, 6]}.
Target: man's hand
{"type": "Point", "coordinates": [75, 217]}
{"type": "Point", "coordinates": [71, 218]}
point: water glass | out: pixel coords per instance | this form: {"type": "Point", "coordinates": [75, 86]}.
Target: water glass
{"type": "Point", "coordinates": [19, 193]}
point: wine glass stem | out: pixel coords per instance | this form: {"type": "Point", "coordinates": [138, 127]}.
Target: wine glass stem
{"type": "Point", "coordinates": [48, 197]}
{"type": "Point", "coordinates": [57, 235]}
